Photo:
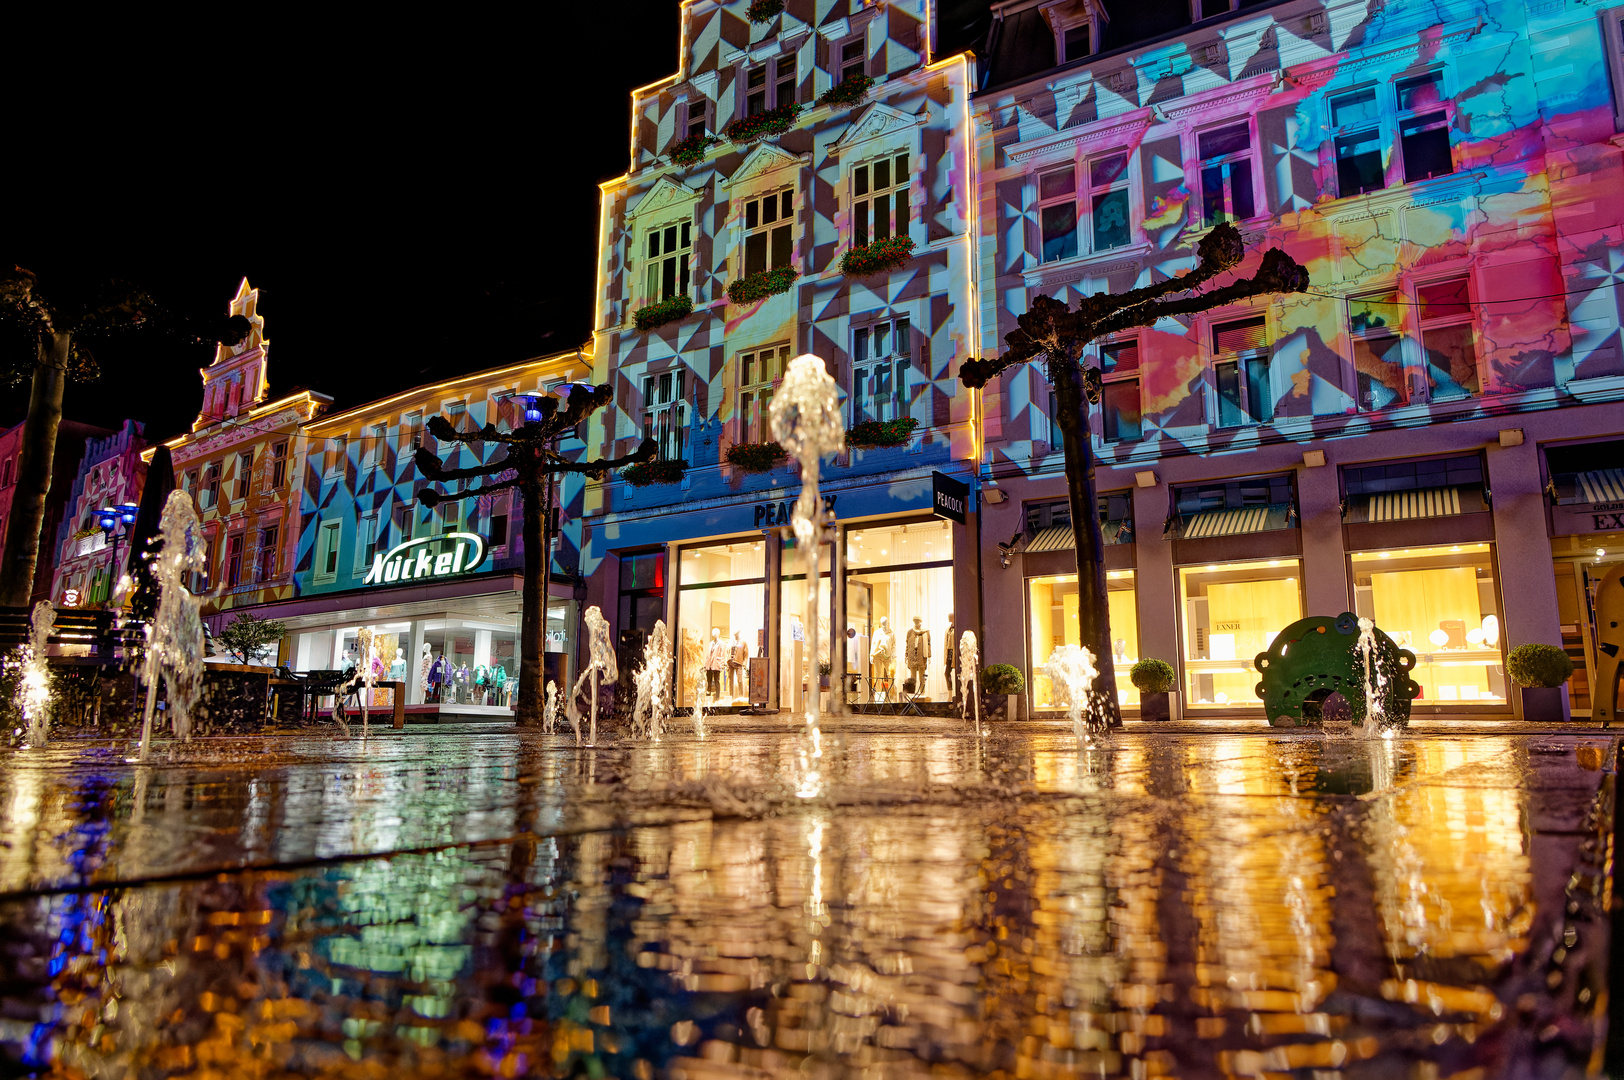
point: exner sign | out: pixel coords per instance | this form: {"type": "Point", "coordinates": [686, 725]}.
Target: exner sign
{"type": "Point", "coordinates": [413, 559]}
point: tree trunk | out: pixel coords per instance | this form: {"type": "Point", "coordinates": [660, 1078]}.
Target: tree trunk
{"type": "Point", "coordinates": [531, 671]}
{"type": "Point", "coordinates": [34, 471]}
{"type": "Point", "coordinates": [1093, 610]}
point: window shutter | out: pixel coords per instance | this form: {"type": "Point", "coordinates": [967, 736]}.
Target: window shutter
{"type": "Point", "coordinates": [822, 60]}
{"type": "Point", "coordinates": [730, 404]}
{"type": "Point", "coordinates": [1244, 335]}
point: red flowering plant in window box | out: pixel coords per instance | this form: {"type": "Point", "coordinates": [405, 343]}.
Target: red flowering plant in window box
{"type": "Point", "coordinates": [878, 257]}
{"type": "Point", "coordinates": [747, 129]}
{"type": "Point", "coordinates": [762, 284]}
{"type": "Point", "coordinates": [762, 10]}
{"type": "Point", "coordinates": [756, 457]}
{"type": "Point", "coordinates": [848, 91]}
{"type": "Point", "coordinates": [670, 309]}
{"type": "Point", "coordinates": [658, 471]}
{"type": "Point", "coordinates": [871, 434]}
{"type": "Point", "coordinates": [691, 151]}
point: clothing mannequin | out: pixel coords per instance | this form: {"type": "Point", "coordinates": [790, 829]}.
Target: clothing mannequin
{"type": "Point", "coordinates": [715, 658]}
{"type": "Point", "coordinates": [882, 658]}
{"type": "Point", "coordinates": [397, 670]}
{"type": "Point", "coordinates": [693, 659]}
{"type": "Point", "coordinates": [918, 655]}
{"type": "Point", "coordinates": [423, 667]}
{"type": "Point", "coordinates": [950, 667]}
{"type": "Point", "coordinates": [439, 674]}
{"type": "Point", "coordinates": [738, 655]}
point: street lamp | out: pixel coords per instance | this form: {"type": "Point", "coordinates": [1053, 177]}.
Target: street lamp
{"type": "Point", "coordinates": [110, 517]}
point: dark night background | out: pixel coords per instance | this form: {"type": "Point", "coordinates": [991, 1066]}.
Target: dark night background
{"type": "Point", "coordinates": [414, 200]}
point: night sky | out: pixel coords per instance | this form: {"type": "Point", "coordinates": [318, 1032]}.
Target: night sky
{"type": "Point", "coordinates": [414, 200]}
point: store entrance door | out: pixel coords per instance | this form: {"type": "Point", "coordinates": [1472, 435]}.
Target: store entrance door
{"type": "Point", "coordinates": [799, 673]}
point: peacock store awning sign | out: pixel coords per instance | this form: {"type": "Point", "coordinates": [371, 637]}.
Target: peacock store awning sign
{"type": "Point", "coordinates": [459, 553]}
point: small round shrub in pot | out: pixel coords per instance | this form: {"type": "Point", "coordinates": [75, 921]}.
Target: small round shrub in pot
{"type": "Point", "coordinates": [1540, 670]}
{"type": "Point", "coordinates": [1004, 681]}
{"type": "Point", "coordinates": [1153, 679]}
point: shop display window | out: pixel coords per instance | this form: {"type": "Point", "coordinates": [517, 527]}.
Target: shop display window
{"type": "Point", "coordinates": [1054, 618]}
{"type": "Point", "coordinates": [721, 620]}
{"type": "Point", "coordinates": [1442, 605]}
{"type": "Point", "coordinates": [1232, 613]}
{"type": "Point", "coordinates": [793, 643]}
{"type": "Point", "coordinates": [899, 611]}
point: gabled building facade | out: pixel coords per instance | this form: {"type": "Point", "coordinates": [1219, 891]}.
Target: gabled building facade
{"type": "Point", "coordinates": [827, 136]}
{"type": "Point", "coordinates": [439, 589]}
{"type": "Point", "coordinates": [240, 463]}
{"type": "Point", "coordinates": [1431, 436]}
{"type": "Point", "coordinates": [111, 472]}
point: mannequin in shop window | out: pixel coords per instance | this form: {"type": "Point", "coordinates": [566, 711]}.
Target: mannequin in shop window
{"type": "Point", "coordinates": [715, 660]}
{"type": "Point", "coordinates": [949, 671]}
{"type": "Point", "coordinates": [425, 665]}
{"type": "Point", "coordinates": [737, 660]}
{"type": "Point", "coordinates": [693, 661]}
{"type": "Point", "coordinates": [882, 657]}
{"type": "Point", "coordinates": [439, 674]}
{"type": "Point", "coordinates": [397, 670]}
{"type": "Point", "coordinates": [918, 655]}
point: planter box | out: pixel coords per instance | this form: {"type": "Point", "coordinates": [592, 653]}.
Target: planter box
{"type": "Point", "coordinates": [1545, 703]}
{"type": "Point", "coordinates": [1156, 706]}
{"type": "Point", "coordinates": [1012, 710]}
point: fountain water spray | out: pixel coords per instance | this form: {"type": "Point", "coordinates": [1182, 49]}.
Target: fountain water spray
{"type": "Point", "coordinates": [969, 681]}
{"type": "Point", "coordinates": [175, 634]}
{"type": "Point", "coordinates": [1375, 682]}
{"type": "Point", "coordinates": [807, 423]}
{"type": "Point", "coordinates": [602, 666]}
{"type": "Point", "coordinates": [653, 681]}
{"type": "Point", "coordinates": [1071, 670]}
{"type": "Point", "coordinates": [549, 709]}
{"type": "Point", "coordinates": [33, 696]}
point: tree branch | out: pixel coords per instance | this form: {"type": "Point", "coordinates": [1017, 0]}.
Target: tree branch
{"type": "Point", "coordinates": [648, 450]}
{"type": "Point", "coordinates": [431, 498]}
{"type": "Point", "coordinates": [432, 469]}
{"type": "Point", "coordinates": [1279, 273]}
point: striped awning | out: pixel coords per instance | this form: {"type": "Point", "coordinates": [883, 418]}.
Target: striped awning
{"type": "Point", "coordinates": [1602, 485]}
{"type": "Point", "coordinates": [1408, 505]}
{"type": "Point", "coordinates": [1246, 519]}
{"type": "Point", "coordinates": [1054, 538]}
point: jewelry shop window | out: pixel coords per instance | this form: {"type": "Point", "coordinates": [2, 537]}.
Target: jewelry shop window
{"type": "Point", "coordinates": [721, 620]}
{"type": "Point", "coordinates": [1055, 620]}
{"type": "Point", "coordinates": [1442, 605]}
{"type": "Point", "coordinates": [1232, 613]}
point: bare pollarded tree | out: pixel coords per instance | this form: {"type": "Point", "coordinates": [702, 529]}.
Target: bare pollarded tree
{"type": "Point", "coordinates": [529, 465]}
{"type": "Point", "coordinates": [1057, 334]}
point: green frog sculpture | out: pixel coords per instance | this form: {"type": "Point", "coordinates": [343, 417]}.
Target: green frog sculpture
{"type": "Point", "coordinates": [1319, 656]}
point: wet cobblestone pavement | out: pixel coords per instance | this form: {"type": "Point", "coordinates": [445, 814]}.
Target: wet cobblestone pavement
{"type": "Point", "coordinates": [451, 903]}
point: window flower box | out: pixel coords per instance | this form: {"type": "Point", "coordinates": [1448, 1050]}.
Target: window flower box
{"type": "Point", "coordinates": [762, 10]}
{"type": "Point", "coordinates": [878, 257]}
{"type": "Point", "coordinates": [756, 457]}
{"type": "Point", "coordinates": [747, 129]}
{"type": "Point", "coordinates": [692, 150]}
{"type": "Point", "coordinates": [848, 91]}
{"type": "Point", "coordinates": [872, 434]}
{"type": "Point", "coordinates": [762, 284]}
{"type": "Point", "coordinates": [668, 310]}
{"type": "Point", "coordinates": [658, 471]}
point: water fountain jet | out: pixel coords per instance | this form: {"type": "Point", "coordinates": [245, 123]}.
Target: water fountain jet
{"type": "Point", "coordinates": [652, 707]}
{"type": "Point", "coordinates": [174, 650]}
{"type": "Point", "coordinates": [33, 696]}
{"type": "Point", "coordinates": [969, 679]}
{"type": "Point", "coordinates": [600, 668]}
{"type": "Point", "coordinates": [1071, 669]}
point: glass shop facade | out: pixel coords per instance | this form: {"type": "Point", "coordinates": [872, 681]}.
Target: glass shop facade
{"type": "Point", "coordinates": [1584, 488]}
{"type": "Point", "coordinates": [889, 586]}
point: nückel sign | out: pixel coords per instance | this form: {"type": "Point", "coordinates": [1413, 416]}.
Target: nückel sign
{"type": "Point", "coordinates": [414, 560]}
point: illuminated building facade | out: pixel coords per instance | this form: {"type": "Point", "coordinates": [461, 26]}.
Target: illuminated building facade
{"type": "Point", "coordinates": [828, 136]}
{"type": "Point", "coordinates": [1431, 436]}
{"type": "Point", "coordinates": [110, 473]}
{"type": "Point", "coordinates": [71, 437]}
{"type": "Point", "coordinates": [446, 580]}
{"type": "Point", "coordinates": [240, 463]}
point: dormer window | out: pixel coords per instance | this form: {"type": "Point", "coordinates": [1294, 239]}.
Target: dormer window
{"type": "Point", "coordinates": [1077, 25]}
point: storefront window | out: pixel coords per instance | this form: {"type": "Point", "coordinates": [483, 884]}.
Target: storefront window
{"type": "Point", "coordinates": [1052, 608]}
{"type": "Point", "coordinates": [1441, 604]}
{"type": "Point", "coordinates": [792, 638]}
{"type": "Point", "coordinates": [899, 610]}
{"type": "Point", "coordinates": [463, 663]}
{"type": "Point", "coordinates": [1232, 613]}
{"type": "Point", "coordinates": [721, 620]}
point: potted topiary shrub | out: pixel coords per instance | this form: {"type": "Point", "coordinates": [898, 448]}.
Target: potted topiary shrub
{"type": "Point", "coordinates": [1153, 679]}
{"type": "Point", "coordinates": [1006, 681]}
{"type": "Point", "coordinates": [1541, 671]}
{"type": "Point", "coordinates": [823, 674]}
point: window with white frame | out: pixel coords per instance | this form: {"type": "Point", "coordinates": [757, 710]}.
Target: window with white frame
{"type": "Point", "coordinates": [337, 447]}
{"type": "Point", "coordinates": [769, 85]}
{"type": "Point", "coordinates": [881, 355]}
{"type": "Point", "coordinates": [1226, 173]}
{"type": "Point", "coordinates": [669, 248]}
{"type": "Point", "coordinates": [327, 551]}
{"type": "Point", "coordinates": [696, 117]}
{"type": "Point", "coordinates": [1448, 338]}
{"type": "Point", "coordinates": [366, 541]}
{"type": "Point", "coordinates": [372, 453]}
{"type": "Point", "coordinates": [1378, 350]}
{"type": "Point", "coordinates": [1121, 417]}
{"type": "Point", "coordinates": [266, 560]}
{"type": "Point", "coordinates": [1356, 121]}
{"type": "Point", "coordinates": [1423, 127]}
{"type": "Point", "coordinates": [456, 414]}
{"type": "Point", "coordinates": [501, 507]}
{"type": "Point", "coordinates": [1076, 29]}
{"type": "Point", "coordinates": [245, 476]}
{"type": "Point", "coordinates": [1095, 217]}
{"type": "Point", "coordinates": [769, 222]}
{"type": "Point", "coordinates": [279, 465]}
{"type": "Point", "coordinates": [665, 412]}
{"type": "Point", "coordinates": [1207, 9]}
{"type": "Point", "coordinates": [1240, 365]}
{"type": "Point", "coordinates": [759, 372]}
{"type": "Point", "coordinates": [880, 199]}
{"type": "Point", "coordinates": [853, 59]}
{"type": "Point", "coordinates": [233, 564]}
{"type": "Point", "coordinates": [209, 496]}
